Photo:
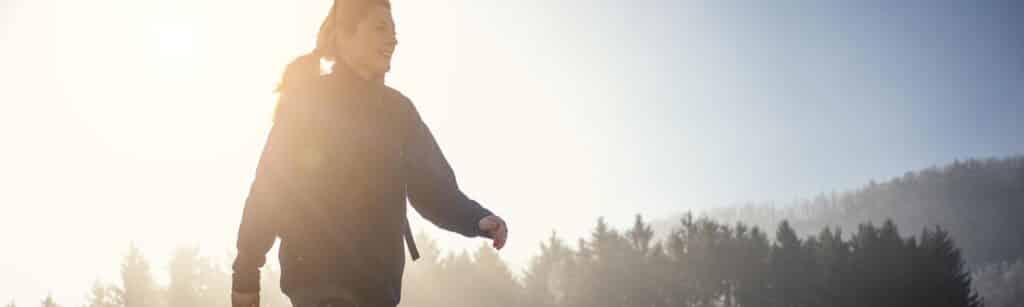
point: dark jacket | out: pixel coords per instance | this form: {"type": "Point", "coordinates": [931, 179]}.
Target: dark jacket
{"type": "Point", "coordinates": [332, 181]}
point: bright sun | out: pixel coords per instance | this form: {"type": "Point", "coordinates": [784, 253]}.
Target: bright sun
{"type": "Point", "coordinates": [174, 49]}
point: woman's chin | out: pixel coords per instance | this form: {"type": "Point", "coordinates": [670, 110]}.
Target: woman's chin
{"type": "Point", "coordinates": [381, 71]}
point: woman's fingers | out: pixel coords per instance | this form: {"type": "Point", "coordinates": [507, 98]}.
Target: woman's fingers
{"type": "Point", "coordinates": [501, 237]}
{"type": "Point", "coordinates": [496, 228]}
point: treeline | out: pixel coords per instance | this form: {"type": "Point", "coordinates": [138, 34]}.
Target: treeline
{"type": "Point", "coordinates": [701, 262]}
{"type": "Point", "coordinates": [705, 263]}
{"type": "Point", "coordinates": [195, 280]}
{"type": "Point", "coordinates": [980, 203]}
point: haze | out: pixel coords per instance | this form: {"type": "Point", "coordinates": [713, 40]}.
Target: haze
{"type": "Point", "coordinates": [142, 120]}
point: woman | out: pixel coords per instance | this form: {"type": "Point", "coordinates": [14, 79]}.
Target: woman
{"type": "Point", "coordinates": [343, 155]}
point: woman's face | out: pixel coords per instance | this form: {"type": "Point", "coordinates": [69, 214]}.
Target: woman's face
{"type": "Point", "coordinates": [370, 46]}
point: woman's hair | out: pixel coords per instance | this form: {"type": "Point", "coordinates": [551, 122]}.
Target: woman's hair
{"type": "Point", "coordinates": [344, 16]}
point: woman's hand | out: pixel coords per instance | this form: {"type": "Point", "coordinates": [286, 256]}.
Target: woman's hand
{"type": "Point", "coordinates": [242, 299]}
{"type": "Point", "coordinates": [495, 228]}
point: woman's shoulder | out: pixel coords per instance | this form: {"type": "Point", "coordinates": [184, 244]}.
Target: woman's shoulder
{"type": "Point", "coordinates": [400, 101]}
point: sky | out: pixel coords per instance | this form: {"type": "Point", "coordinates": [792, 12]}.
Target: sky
{"type": "Point", "coordinates": [142, 121]}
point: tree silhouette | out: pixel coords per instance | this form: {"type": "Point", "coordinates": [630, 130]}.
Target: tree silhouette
{"type": "Point", "coordinates": [103, 295]}
{"type": "Point", "coordinates": [789, 264]}
{"type": "Point", "coordinates": [139, 289]}
{"type": "Point", "coordinates": [702, 262]}
{"type": "Point", "coordinates": [544, 283]}
{"type": "Point", "coordinates": [185, 287]}
{"type": "Point", "coordinates": [48, 302]}
{"type": "Point", "coordinates": [941, 272]}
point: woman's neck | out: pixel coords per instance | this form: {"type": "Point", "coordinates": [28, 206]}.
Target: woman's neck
{"type": "Point", "coordinates": [362, 72]}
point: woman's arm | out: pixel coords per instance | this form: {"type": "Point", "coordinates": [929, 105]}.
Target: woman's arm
{"type": "Point", "coordinates": [432, 188]}
{"type": "Point", "coordinates": [259, 227]}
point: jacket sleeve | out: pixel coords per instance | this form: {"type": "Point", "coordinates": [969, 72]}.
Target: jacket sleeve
{"type": "Point", "coordinates": [258, 228]}
{"type": "Point", "coordinates": [431, 186]}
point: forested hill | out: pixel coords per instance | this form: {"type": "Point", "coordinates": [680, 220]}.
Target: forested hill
{"type": "Point", "coordinates": [980, 202]}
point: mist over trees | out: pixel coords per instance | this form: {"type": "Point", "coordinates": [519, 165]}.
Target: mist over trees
{"type": "Point", "coordinates": [811, 254]}
{"type": "Point", "coordinates": [1001, 284]}
{"type": "Point", "coordinates": [700, 263]}
{"type": "Point", "coordinates": [980, 203]}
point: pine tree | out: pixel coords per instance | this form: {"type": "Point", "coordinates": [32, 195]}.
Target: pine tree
{"type": "Point", "coordinates": [103, 295]}
{"type": "Point", "coordinates": [662, 276]}
{"type": "Point", "coordinates": [184, 287]}
{"type": "Point", "coordinates": [609, 266]}
{"type": "Point", "coordinates": [139, 288]}
{"type": "Point", "coordinates": [941, 272]}
{"type": "Point", "coordinates": [865, 272]}
{"type": "Point", "coordinates": [48, 302]}
{"type": "Point", "coordinates": [639, 286]}
{"type": "Point", "coordinates": [458, 269]}
{"type": "Point", "coordinates": [640, 235]}
{"type": "Point", "coordinates": [832, 256]}
{"type": "Point", "coordinates": [679, 250]}
{"type": "Point", "coordinates": [753, 268]}
{"type": "Point", "coordinates": [493, 283]}
{"type": "Point", "coordinates": [423, 278]}
{"type": "Point", "coordinates": [545, 280]}
{"type": "Point", "coordinates": [789, 269]}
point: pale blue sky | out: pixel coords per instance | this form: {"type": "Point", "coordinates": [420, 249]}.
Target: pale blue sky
{"type": "Point", "coordinates": [775, 101]}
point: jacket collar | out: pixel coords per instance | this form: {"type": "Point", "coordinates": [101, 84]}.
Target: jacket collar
{"type": "Point", "coordinates": [343, 81]}
{"type": "Point", "coordinates": [345, 75]}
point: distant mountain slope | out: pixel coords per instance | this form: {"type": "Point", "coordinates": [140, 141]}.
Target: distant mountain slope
{"type": "Point", "coordinates": [981, 203]}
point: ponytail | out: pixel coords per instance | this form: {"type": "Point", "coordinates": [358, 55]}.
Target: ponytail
{"type": "Point", "coordinates": [305, 70]}
{"type": "Point", "coordinates": [301, 71]}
